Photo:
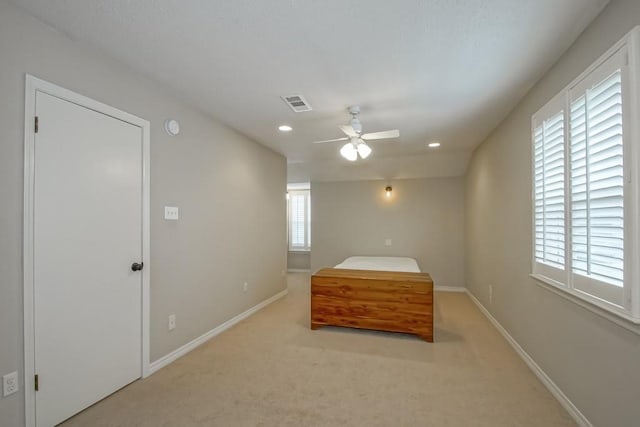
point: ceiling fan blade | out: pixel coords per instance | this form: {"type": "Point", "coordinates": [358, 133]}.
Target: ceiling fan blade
{"type": "Point", "coordinates": [331, 140]}
{"type": "Point", "coordinates": [348, 130]}
{"type": "Point", "coordinates": [381, 135]}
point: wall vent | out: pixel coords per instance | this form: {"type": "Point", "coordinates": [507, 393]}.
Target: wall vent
{"type": "Point", "coordinates": [297, 103]}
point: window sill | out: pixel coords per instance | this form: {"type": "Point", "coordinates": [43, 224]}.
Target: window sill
{"type": "Point", "coordinates": [600, 308]}
{"type": "Point", "coordinates": [303, 251]}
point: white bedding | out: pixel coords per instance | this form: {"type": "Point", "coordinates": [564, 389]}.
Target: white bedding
{"type": "Point", "coordinates": [382, 263]}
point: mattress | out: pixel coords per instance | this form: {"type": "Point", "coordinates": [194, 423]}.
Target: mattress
{"type": "Point", "coordinates": [380, 263]}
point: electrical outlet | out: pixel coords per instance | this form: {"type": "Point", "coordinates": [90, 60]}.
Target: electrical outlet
{"type": "Point", "coordinates": [172, 322]}
{"type": "Point", "coordinates": [10, 383]}
{"type": "Point", "coordinates": [245, 287]}
{"type": "Point", "coordinates": [387, 242]}
{"type": "Point", "coordinates": [171, 213]}
{"type": "Point", "coordinates": [490, 294]}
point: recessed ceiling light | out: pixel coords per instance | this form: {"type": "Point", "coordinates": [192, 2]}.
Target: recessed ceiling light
{"type": "Point", "coordinates": [434, 144]}
{"type": "Point", "coordinates": [285, 128]}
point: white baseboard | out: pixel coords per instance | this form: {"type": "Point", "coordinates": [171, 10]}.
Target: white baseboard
{"type": "Point", "coordinates": [298, 270]}
{"type": "Point", "coordinates": [178, 353]}
{"type": "Point", "coordinates": [449, 289]}
{"type": "Point", "coordinates": [573, 411]}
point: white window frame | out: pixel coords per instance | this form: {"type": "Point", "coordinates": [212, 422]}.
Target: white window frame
{"type": "Point", "coordinates": [307, 226]}
{"type": "Point", "coordinates": [562, 281]}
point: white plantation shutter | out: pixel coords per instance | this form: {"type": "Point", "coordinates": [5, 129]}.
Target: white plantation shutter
{"type": "Point", "coordinates": [299, 220]}
{"type": "Point", "coordinates": [597, 182]}
{"type": "Point", "coordinates": [549, 190]}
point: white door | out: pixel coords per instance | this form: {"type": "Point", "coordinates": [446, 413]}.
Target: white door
{"type": "Point", "coordinates": [87, 235]}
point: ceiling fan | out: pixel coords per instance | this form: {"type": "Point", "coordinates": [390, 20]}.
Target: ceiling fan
{"type": "Point", "coordinates": [357, 141]}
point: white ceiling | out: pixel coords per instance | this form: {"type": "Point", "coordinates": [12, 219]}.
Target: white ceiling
{"type": "Point", "coordinates": [434, 69]}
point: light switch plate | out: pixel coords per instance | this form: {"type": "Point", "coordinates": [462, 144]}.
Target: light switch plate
{"type": "Point", "coordinates": [171, 213]}
{"type": "Point", "coordinates": [387, 242]}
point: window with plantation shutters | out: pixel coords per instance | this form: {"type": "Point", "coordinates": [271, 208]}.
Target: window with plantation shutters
{"type": "Point", "coordinates": [584, 191]}
{"type": "Point", "coordinates": [299, 220]}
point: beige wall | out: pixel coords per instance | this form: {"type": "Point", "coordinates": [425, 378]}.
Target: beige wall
{"type": "Point", "coordinates": [213, 174]}
{"type": "Point", "coordinates": [424, 220]}
{"type": "Point", "coordinates": [595, 362]}
{"type": "Point", "coordinates": [299, 260]}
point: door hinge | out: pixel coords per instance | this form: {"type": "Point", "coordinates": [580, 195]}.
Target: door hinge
{"type": "Point", "coordinates": [36, 383]}
{"type": "Point", "coordinates": [35, 127]}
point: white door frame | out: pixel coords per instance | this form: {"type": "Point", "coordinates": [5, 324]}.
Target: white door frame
{"type": "Point", "coordinates": [33, 85]}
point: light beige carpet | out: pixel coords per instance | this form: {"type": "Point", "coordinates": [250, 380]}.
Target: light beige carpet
{"type": "Point", "coordinates": [272, 370]}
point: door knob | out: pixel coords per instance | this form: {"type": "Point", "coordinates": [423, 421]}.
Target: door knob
{"type": "Point", "coordinates": [137, 266]}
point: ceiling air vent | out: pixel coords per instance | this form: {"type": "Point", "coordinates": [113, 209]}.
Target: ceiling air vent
{"type": "Point", "coordinates": [297, 103]}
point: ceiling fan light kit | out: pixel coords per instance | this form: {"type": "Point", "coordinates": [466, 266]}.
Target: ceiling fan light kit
{"type": "Point", "coordinates": [353, 148]}
{"type": "Point", "coordinates": [357, 145]}
{"type": "Point", "coordinates": [364, 150]}
{"type": "Point", "coordinates": [349, 152]}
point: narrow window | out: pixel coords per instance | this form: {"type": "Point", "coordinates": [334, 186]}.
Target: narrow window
{"type": "Point", "coordinates": [299, 220]}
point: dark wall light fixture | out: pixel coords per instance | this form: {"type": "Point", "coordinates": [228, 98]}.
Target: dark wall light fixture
{"type": "Point", "coordinates": [388, 191]}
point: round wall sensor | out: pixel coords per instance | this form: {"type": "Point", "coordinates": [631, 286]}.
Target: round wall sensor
{"type": "Point", "coordinates": [172, 127]}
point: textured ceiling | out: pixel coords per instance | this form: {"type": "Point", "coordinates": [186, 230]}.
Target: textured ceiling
{"type": "Point", "coordinates": [436, 70]}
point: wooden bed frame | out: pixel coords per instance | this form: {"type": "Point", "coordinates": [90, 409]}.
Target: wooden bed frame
{"type": "Point", "coordinates": [381, 300]}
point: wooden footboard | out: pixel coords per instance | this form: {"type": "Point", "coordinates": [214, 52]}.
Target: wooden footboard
{"type": "Point", "coordinates": [380, 300]}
